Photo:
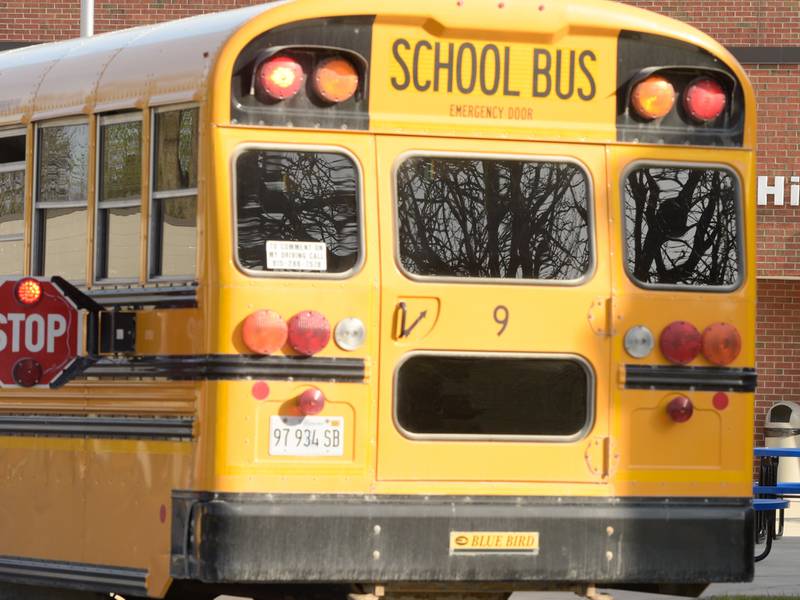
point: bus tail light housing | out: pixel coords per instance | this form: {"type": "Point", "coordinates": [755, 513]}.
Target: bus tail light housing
{"type": "Point", "coordinates": [335, 79]}
{"type": "Point", "coordinates": [721, 343]}
{"type": "Point", "coordinates": [653, 98]}
{"type": "Point", "coordinates": [680, 342]}
{"type": "Point", "coordinates": [704, 100]}
{"type": "Point", "coordinates": [264, 332]}
{"type": "Point", "coordinates": [680, 409]}
{"type": "Point", "coordinates": [280, 77]}
{"type": "Point", "coordinates": [309, 332]}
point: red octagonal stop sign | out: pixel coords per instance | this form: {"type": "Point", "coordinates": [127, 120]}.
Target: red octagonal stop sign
{"type": "Point", "coordinates": [39, 340]}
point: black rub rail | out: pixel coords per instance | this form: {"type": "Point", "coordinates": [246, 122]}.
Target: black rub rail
{"type": "Point", "coordinates": [722, 379]}
{"type": "Point", "coordinates": [217, 367]}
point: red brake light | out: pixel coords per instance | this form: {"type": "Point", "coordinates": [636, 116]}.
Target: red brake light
{"type": "Point", "coordinates": [281, 77]}
{"type": "Point", "coordinates": [680, 342]}
{"type": "Point", "coordinates": [335, 79]}
{"type": "Point", "coordinates": [704, 100]}
{"type": "Point", "coordinates": [653, 98]}
{"type": "Point", "coordinates": [309, 332]}
{"type": "Point", "coordinates": [27, 372]}
{"type": "Point", "coordinates": [311, 402]}
{"type": "Point", "coordinates": [264, 332]}
{"type": "Point", "coordinates": [28, 291]}
{"type": "Point", "coordinates": [680, 409]}
{"type": "Point", "coordinates": [721, 343]}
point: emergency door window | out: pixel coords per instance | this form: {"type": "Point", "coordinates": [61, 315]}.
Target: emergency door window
{"type": "Point", "coordinates": [12, 203]}
{"type": "Point", "coordinates": [60, 208]}
{"type": "Point", "coordinates": [173, 251]}
{"type": "Point", "coordinates": [119, 198]}
{"type": "Point", "coordinates": [494, 218]}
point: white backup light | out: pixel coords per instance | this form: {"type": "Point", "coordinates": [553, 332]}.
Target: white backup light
{"type": "Point", "coordinates": [350, 334]}
{"type": "Point", "coordinates": [639, 341]}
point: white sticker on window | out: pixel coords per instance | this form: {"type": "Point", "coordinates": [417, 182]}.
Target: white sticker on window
{"type": "Point", "coordinates": [296, 256]}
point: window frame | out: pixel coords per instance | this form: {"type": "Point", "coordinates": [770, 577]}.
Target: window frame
{"type": "Point", "coordinates": [583, 432]}
{"type": "Point", "coordinates": [37, 243]}
{"type": "Point", "coordinates": [321, 149]}
{"type": "Point", "coordinates": [741, 255]}
{"type": "Point", "coordinates": [13, 167]}
{"type": "Point", "coordinates": [154, 241]}
{"type": "Point", "coordinates": [591, 224]}
{"type": "Point", "coordinates": [99, 235]}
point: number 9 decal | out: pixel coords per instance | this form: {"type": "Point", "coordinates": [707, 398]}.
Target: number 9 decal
{"type": "Point", "coordinates": [501, 317]}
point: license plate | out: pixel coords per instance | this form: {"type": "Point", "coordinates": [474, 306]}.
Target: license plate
{"type": "Point", "coordinates": [306, 436]}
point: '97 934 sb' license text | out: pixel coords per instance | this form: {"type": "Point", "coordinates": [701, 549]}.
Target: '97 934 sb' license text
{"type": "Point", "coordinates": [306, 436]}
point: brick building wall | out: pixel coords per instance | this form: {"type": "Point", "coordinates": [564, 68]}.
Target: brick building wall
{"type": "Point", "coordinates": [760, 24]}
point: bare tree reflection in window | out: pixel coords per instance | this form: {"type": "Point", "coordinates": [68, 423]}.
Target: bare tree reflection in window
{"type": "Point", "coordinates": [681, 226]}
{"type": "Point", "coordinates": [297, 196]}
{"type": "Point", "coordinates": [493, 218]}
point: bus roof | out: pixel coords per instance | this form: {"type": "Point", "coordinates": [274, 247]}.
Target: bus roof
{"type": "Point", "coordinates": [171, 62]}
{"type": "Point", "coordinates": [150, 65]}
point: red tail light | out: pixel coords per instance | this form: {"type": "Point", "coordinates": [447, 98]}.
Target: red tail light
{"type": "Point", "coordinates": [335, 79]}
{"type": "Point", "coordinates": [311, 402]}
{"type": "Point", "coordinates": [28, 291]}
{"type": "Point", "coordinates": [280, 77]}
{"type": "Point", "coordinates": [704, 100]}
{"type": "Point", "coordinates": [721, 343]}
{"type": "Point", "coordinates": [680, 342]}
{"type": "Point", "coordinates": [309, 332]}
{"type": "Point", "coordinates": [680, 409]}
{"type": "Point", "coordinates": [264, 332]}
{"type": "Point", "coordinates": [27, 372]}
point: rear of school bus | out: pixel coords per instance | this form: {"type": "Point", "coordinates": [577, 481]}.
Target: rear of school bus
{"type": "Point", "coordinates": [489, 304]}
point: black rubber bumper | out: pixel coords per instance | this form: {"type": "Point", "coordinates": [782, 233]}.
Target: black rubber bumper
{"type": "Point", "coordinates": [291, 538]}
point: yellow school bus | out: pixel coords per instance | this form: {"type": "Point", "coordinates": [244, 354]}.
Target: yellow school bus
{"type": "Point", "coordinates": [381, 298]}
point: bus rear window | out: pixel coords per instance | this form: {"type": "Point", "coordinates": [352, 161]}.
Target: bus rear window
{"type": "Point", "coordinates": [681, 226]}
{"type": "Point", "coordinates": [482, 395]}
{"type": "Point", "coordinates": [493, 218]}
{"type": "Point", "coordinates": [297, 212]}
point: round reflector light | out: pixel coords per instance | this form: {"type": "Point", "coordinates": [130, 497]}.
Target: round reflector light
{"type": "Point", "coordinates": [28, 291]}
{"type": "Point", "coordinates": [704, 100]}
{"type": "Point", "coordinates": [335, 79]}
{"type": "Point", "coordinates": [311, 402]}
{"type": "Point", "coordinates": [680, 342]}
{"type": "Point", "coordinates": [281, 77]}
{"type": "Point", "coordinates": [653, 98]}
{"type": "Point", "coordinates": [639, 341]}
{"type": "Point", "coordinates": [350, 334]}
{"type": "Point", "coordinates": [264, 332]}
{"type": "Point", "coordinates": [721, 343]}
{"type": "Point", "coordinates": [27, 372]}
{"type": "Point", "coordinates": [680, 409]}
{"type": "Point", "coordinates": [309, 332]}
{"type": "Point", "coordinates": [720, 400]}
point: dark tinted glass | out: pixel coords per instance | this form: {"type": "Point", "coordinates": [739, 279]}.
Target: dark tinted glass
{"type": "Point", "coordinates": [492, 396]}
{"type": "Point", "coordinates": [12, 149]}
{"type": "Point", "coordinates": [493, 218]}
{"type": "Point", "coordinates": [681, 226]}
{"type": "Point", "coordinates": [297, 197]}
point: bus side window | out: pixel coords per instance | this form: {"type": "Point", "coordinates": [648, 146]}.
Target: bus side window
{"type": "Point", "coordinates": [12, 202]}
{"type": "Point", "coordinates": [173, 246]}
{"type": "Point", "coordinates": [60, 205]}
{"type": "Point", "coordinates": [119, 202]}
